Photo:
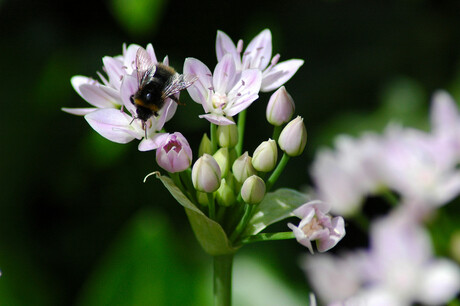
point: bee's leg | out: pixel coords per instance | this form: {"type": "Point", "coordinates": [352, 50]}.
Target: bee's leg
{"type": "Point", "coordinates": [174, 98]}
{"type": "Point", "coordinates": [144, 126]}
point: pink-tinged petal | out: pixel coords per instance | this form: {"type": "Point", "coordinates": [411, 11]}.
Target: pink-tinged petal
{"type": "Point", "coordinates": [280, 74]}
{"type": "Point", "coordinates": [200, 89]}
{"type": "Point", "coordinates": [302, 211]}
{"type": "Point", "coordinates": [79, 80]}
{"type": "Point", "coordinates": [444, 112]}
{"type": "Point", "coordinates": [99, 95]}
{"type": "Point", "coordinates": [338, 232]}
{"type": "Point", "coordinates": [244, 92]}
{"type": "Point", "coordinates": [170, 108]}
{"type": "Point", "coordinates": [165, 61]}
{"type": "Point", "coordinates": [224, 45]}
{"type": "Point", "coordinates": [153, 142]}
{"type": "Point", "coordinates": [129, 87]}
{"type": "Point", "coordinates": [79, 111]}
{"type": "Point", "coordinates": [240, 105]}
{"type": "Point", "coordinates": [216, 119]}
{"type": "Point", "coordinates": [130, 57]}
{"type": "Point", "coordinates": [301, 237]}
{"type": "Point", "coordinates": [224, 74]}
{"type": "Point", "coordinates": [259, 51]}
{"type": "Point", "coordinates": [110, 123]}
{"type": "Point", "coordinates": [151, 53]}
{"type": "Point", "coordinates": [114, 69]}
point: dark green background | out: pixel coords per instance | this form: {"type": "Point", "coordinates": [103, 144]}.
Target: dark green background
{"type": "Point", "coordinates": [77, 223]}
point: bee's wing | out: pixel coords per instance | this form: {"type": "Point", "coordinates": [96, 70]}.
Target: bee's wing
{"type": "Point", "coordinates": [145, 67]}
{"type": "Point", "coordinates": [178, 82]}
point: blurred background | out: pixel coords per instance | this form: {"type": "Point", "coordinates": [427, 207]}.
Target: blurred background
{"type": "Point", "coordinates": [78, 226]}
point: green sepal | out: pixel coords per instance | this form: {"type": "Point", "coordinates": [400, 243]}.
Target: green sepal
{"type": "Point", "coordinates": [275, 206]}
{"type": "Point", "coordinates": [209, 233]}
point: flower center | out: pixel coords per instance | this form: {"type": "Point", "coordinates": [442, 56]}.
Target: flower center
{"type": "Point", "coordinates": [173, 144]}
{"type": "Point", "coordinates": [312, 227]}
{"type": "Point", "coordinates": [219, 100]}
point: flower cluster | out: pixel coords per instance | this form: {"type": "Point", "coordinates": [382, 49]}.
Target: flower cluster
{"type": "Point", "coordinates": [419, 166]}
{"type": "Point", "coordinates": [415, 170]}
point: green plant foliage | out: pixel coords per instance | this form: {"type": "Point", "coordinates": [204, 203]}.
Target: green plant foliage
{"type": "Point", "coordinates": [209, 233]}
{"type": "Point", "coordinates": [141, 268]}
{"type": "Point", "coordinates": [276, 206]}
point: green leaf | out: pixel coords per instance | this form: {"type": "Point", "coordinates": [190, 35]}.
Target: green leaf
{"type": "Point", "coordinates": [209, 233]}
{"type": "Point", "coordinates": [141, 268]}
{"type": "Point", "coordinates": [276, 206]}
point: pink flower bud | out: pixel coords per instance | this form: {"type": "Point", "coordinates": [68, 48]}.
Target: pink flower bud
{"type": "Point", "coordinates": [293, 137]}
{"type": "Point", "coordinates": [265, 156]}
{"type": "Point", "coordinates": [174, 155]}
{"type": "Point", "coordinates": [206, 174]}
{"type": "Point", "coordinates": [280, 107]}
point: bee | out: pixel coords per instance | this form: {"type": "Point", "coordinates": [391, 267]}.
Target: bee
{"type": "Point", "coordinates": [156, 83]}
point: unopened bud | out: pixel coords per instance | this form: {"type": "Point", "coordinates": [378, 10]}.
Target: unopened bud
{"type": "Point", "coordinates": [293, 137]}
{"type": "Point", "coordinates": [265, 156]}
{"type": "Point", "coordinates": [280, 107]}
{"type": "Point", "coordinates": [253, 190]}
{"type": "Point", "coordinates": [242, 168]}
{"type": "Point", "coordinates": [222, 158]}
{"type": "Point", "coordinates": [205, 146]}
{"type": "Point", "coordinates": [206, 174]}
{"type": "Point", "coordinates": [227, 135]}
{"type": "Point", "coordinates": [225, 195]}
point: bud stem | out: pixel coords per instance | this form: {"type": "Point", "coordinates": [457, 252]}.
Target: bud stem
{"type": "Point", "coordinates": [241, 126]}
{"type": "Point", "coordinates": [212, 207]}
{"type": "Point", "coordinates": [277, 172]}
{"type": "Point", "coordinates": [223, 280]}
{"type": "Point", "coordinates": [269, 237]}
{"type": "Point", "coordinates": [276, 132]}
{"type": "Point", "coordinates": [248, 210]}
{"type": "Point", "coordinates": [213, 138]}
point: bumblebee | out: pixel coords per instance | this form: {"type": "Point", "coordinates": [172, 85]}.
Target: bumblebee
{"type": "Point", "coordinates": [156, 83]}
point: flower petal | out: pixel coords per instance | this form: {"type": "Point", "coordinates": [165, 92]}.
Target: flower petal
{"type": "Point", "coordinates": [216, 119]}
{"type": "Point", "coordinates": [129, 86]}
{"type": "Point", "coordinates": [224, 74]}
{"type": "Point", "coordinates": [224, 45]}
{"type": "Point", "coordinates": [244, 92]}
{"type": "Point", "coordinates": [114, 69]}
{"type": "Point", "coordinates": [151, 53]}
{"type": "Point", "coordinates": [99, 95]}
{"type": "Point", "coordinates": [79, 111]}
{"type": "Point", "coordinates": [199, 91]}
{"type": "Point", "coordinates": [280, 74]}
{"type": "Point", "coordinates": [110, 123]}
{"type": "Point", "coordinates": [152, 143]}
{"type": "Point", "coordinates": [259, 51]}
{"type": "Point", "coordinates": [301, 237]}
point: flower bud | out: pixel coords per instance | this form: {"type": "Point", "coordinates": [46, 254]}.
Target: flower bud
{"type": "Point", "coordinates": [280, 107]}
{"type": "Point", "coordinates": [222, 158]}
{"type": "Point", "coordinates": [225, 195]}
{"type": "Point", "coordinates": [265, 156]}
{"type": "Point", "coordinates": [253, 190]}
{"type": "Point", "coordinates": [227, 135]}
{"type": "Point", "coordinates": [174, 155]}
{"type": "Point", "coordinates": [205, 146]}
{"type": "Point", "coordinates": [242, 168]}
{"type": "Point", "coordinates": [293, 137]}
{"type": "Point", "coordinates": [206, 174]}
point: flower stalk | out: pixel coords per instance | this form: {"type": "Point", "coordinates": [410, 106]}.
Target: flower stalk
{"type": "Point", "coordinates": [222, 278]}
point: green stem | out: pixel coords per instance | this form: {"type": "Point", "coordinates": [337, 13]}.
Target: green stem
{"type": "Point", "coordinates": [248, 209]}
{"type": "Point", "coordinates": [277, 172]}
{"type": "Point", "coordinates": [176, 179]}
{"type": "Point", "coordinates": [241, 126]}
{"type": "Point", "coordinates": [212, 207]}
{"type": "Point", "coordinates": [268, 237]}
{"type": "Point", "coordinates": [223, 280]}
{"type": "Point", "coordinates": [186, 177]}
{"type": "Point", "coordinates": [276, 132]}
{"type": "Point", "coordinates": [389, 197]}
{"type": "Point", "coordinates": [213, 138]}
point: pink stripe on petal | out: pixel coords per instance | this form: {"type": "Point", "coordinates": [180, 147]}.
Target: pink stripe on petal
{"type": "Point", "coordinates": [224, 74]}
{"type": "Point", "coordinates": [224, 45]}
{"type": "Point", "coordinates": [280, 74]}
{"type": "Point", "coordinates": [200, 89]}
{"type": "Point", "coordinates": [259, 51]}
